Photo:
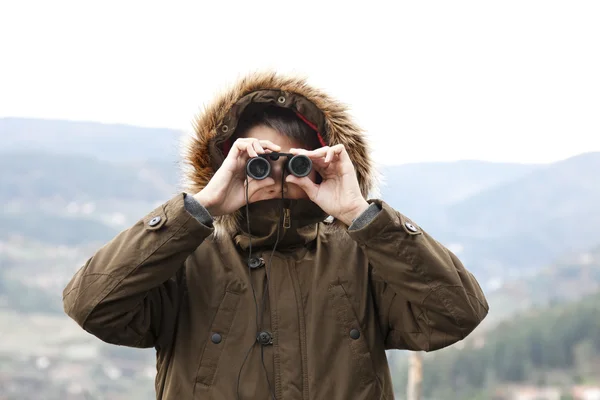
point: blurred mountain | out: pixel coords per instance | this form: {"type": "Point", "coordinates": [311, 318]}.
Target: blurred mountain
{"type": "Point", "coordinates": [424, 190]}
{"type": "Point", "coordinates": [37, 175]}
{"type": "Point", "coordinates": [503, 220]}
{"type": "Point", "coordinates": [52, 229]}
{"type": "Point", "coordinates": [74, 199]}
{"type": "Point", "coordinates": [109, 142]}
{"type": "Point", "coordinates": [524, 224]}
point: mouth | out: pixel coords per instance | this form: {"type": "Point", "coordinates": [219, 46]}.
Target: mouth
{"type": "Point", "coordinates": [278, 190]}
{"type": "Point", "coordinates": [272, 192]}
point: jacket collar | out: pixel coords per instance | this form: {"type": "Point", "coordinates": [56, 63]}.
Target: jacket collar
{"type": "Point", "coordinates": [297, 220]}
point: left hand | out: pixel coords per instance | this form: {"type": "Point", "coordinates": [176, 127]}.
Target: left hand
{"type": "Point", "coordinates": [339, 193]}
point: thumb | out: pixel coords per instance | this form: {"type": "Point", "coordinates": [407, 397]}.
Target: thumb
{"type": "Point", "coordinates": [305, 184]}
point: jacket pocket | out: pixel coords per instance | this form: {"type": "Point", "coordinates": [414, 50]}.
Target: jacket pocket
{"type": "Point", "coordinates": [352, 333]}
{"type": "Point", "coordinates": [217, 339]}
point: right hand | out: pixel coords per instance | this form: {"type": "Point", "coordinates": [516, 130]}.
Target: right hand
{"type": "Point", "coordinates": [226, 191]}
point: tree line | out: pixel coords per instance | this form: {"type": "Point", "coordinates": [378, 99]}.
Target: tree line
{"type": "Point", "coordinates": [559, 345]}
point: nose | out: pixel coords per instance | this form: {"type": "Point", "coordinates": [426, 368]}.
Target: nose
{"type": "Point", "coordinates": [277, 167]}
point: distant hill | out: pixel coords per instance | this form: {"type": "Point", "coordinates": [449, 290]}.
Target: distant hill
{"type": "Point", "coordinates": [53, 229]}
{"type": "Point", "coordinates": [424, 190]}
{"type": "Point", "coordinates": [530, 221]}
{"type": "Point", "coordinates": [36, 175]}
{"type": "Point", "coordinates": [75, 199]}
{"type": "Point", "coordinates": [503, 220]}
{"type": "Point", "coordinates": [103, 141]}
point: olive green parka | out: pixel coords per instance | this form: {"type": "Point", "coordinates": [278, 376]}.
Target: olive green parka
{"type": "Point", "coordinates": [311, 320]}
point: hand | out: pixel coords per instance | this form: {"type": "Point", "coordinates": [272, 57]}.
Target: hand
{"type": "Point", "coordinates": [339, 193]}
{"type": "Point", "coordinates": [226, 191]}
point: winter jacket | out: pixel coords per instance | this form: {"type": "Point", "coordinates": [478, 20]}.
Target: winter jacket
{"type": "Point", "coordinates": [311, 320]}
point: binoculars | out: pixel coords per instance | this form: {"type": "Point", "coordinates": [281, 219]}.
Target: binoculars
{"type": "Point", "coordinates": [260, 167]}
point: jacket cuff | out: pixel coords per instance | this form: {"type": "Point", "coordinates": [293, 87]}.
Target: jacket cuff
{"type": "Point", "coordinates": [197, 210]}
{"type": "Point", "coordinates": [382, 223]}
{"type": "Point", "coordinates": [367, 216]}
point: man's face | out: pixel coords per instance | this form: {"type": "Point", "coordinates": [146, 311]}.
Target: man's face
{"type": "Point", "coordinates": [290, 190]}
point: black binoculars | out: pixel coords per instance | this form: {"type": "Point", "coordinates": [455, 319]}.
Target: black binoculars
{"type": "Point", "coordinates": [259, 167]}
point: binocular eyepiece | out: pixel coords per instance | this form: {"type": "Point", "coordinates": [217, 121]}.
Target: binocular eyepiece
{"type": "Point", "coordinates": [259, 167]}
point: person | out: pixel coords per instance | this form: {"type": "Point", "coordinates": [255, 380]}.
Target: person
{"type": "Point", "coordinates": [285, 287]}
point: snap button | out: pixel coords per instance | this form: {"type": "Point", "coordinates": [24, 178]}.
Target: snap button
{"type": "Point", "coordinates": [154, 221]}
{"type": "Point", "coordinates": [354, 334]}
{"type": "Point", "coordinates": [224, 128]}
{"type": "Point", "coordinates": [410, 227]}
{"type": "Point", "coordinates": [256, 262]}
{"type": "Point", "coordinates": [264, 338]}
{"type": "Point", "coordinates": [216, 338]}
{"type": "Point", "coordinates": [281, 99]}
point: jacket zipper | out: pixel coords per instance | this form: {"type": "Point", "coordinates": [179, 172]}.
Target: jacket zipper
{"type": "Point", "coordinates": [287, 220]}
{"type": "Point", "coordinates": [302, 325]}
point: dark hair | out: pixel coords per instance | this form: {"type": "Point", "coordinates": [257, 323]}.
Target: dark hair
{"type": "Point", "coordinates": [283, 120]}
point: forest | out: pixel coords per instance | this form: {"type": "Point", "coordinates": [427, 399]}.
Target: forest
{"type": "Point", "coordinates": [557, 346]}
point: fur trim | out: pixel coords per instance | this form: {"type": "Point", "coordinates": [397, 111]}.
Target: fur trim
{"type": "Point", "coordinates": [217, 122]}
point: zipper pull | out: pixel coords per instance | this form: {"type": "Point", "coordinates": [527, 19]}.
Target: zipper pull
{"type": "Point", "coordinates": [287, 220]}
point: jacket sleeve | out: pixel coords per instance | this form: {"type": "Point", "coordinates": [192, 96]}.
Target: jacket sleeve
{"type": "Point", "coordinates": [127, 293]}
{"type": "Point", "coordinates": [426, 299]}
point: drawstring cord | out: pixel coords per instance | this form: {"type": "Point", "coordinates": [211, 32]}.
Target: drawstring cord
{"type": "Point", "coordinates": [265, 289]}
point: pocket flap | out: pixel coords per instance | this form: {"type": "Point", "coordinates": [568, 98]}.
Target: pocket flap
{"type": "Point", "coordinates": [220, 331]}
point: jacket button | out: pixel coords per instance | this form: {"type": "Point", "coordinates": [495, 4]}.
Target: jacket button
{"type": "Point", "coordinates": [410, 227]}
{"type": "Point", "coordinates": [216, 338]}
{"type": "Point", "coordinates": [354, 334]}
{"type": "Point", "coordinates": [255, 262]}
{"type": "Point", "coordinates": [264, 338]}
{"type": "Point", "coordinates": [154, 221]}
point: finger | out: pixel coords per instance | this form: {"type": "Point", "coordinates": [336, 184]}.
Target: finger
{"type": "Point", "coordinates": [309, 187]}
{"type": "Point", "coordinates": [326, 171]}
{"type": "Point", "coordinates": [312, 154]}
{"type": "Point", "coordinates": [296, 152]}
{"type": "Point", "coordinates": [250, 149]}
{"type": "Point", "coordinates": [321, 152]}
{"type": "Point", "coordinates": [319, 164]}
{"type": "Point", "coordinates": [243, 146]}
{"type": "Point", "coordinates": [330, 154]}
{"type": "Point", "coordinates": [257, 147]}
{"type": "Point", "coordinates": [267, 144]}
{"type": "Point", "coordinates": [336, 152]}
{"type": "Point", "coordinates": [342, 153]}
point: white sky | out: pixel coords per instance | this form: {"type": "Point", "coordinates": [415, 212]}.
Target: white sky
{"type": "Point", "coordinates": [429, 80]}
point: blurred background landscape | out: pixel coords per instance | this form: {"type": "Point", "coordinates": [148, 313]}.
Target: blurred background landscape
{"type": "Point", "coordinates": [484, 117]}
{"type": "Point", "coordinates": [529, 232]}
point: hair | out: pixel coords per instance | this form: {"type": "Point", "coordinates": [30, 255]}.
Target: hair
{"type": "Point", "coordinates": [283, 120]}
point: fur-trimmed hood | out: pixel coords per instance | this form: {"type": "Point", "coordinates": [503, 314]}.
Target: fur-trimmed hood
{"type": "Point", "coordinates": [203, 154]}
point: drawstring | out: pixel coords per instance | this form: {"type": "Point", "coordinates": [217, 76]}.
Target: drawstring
{"type": "Point", "coordinates": [265, 289]}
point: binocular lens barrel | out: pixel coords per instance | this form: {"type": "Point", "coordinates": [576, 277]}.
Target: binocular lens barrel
{"type": "Point", "coordinates": [299, 166]}
{"type": "Point", "coordinates": [259, 167]}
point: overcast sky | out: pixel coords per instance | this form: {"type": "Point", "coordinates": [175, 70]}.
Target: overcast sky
{"type": "Point", "coordinates": [428, 80]}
